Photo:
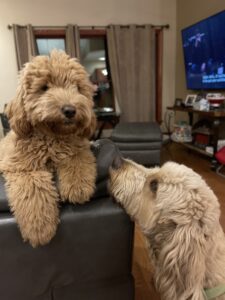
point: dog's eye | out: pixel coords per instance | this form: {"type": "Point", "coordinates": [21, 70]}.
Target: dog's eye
{"type": "Point", "coordinates": [154, 185]}
{"type": "Point", "coordinates": [44, 88]}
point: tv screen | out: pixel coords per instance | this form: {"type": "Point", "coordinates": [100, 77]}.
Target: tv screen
{"type": "Point", "coordinates": [204, 53]}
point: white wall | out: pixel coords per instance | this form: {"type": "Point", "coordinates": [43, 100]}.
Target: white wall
{"type": "Point", "coordinates": [84, 12]}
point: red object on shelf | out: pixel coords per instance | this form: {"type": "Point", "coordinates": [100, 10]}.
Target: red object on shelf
{"type": "Point", "coordinates": [220, 156]}
{"type": "Point", "coordinates": [201, 139]}
{"type": "Point", "coordinates": [216, 102]}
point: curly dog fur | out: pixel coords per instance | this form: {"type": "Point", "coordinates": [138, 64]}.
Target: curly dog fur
{"type": "Point", "coordinates": [51, 119]}
{"type": "Point", "coordinates": [179, 215]}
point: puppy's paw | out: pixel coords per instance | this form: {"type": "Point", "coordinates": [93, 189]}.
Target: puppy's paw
{"type": "Point", "coordinates": [39, 234]}
{"type": "Point", "coordinates": [77, 193]}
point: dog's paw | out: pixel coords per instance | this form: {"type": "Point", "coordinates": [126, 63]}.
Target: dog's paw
{"type": "Point", "coordinates": [38, 235]}
{"type": "Point", "coordinates": [76, 193]}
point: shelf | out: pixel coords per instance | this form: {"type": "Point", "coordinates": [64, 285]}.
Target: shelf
{"type": "Point", "coordinates": [218, 117]}
{"type": "Point", "coordinates": [220, 113]}
{"type": "Point", "coordinates": [195, 148]}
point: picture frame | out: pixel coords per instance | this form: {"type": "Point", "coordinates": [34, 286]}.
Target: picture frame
{"type": "Point", "coordinates": [178, 102]}
{"type": "Point", "coordinates": [190, 100]}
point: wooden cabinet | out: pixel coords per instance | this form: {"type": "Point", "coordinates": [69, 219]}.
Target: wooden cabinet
{"type": "Point", "coordinates": [216, 116]}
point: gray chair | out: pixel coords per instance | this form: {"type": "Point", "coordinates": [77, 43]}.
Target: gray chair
{"type": "Point", "coordinates": [140, 142]}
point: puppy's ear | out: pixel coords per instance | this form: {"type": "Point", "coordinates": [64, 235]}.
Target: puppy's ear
{"type": "Point", "coordinates": [181, 263]}
{"type": "Point", "coordinates": [17, 116]}
{"type": "Point", "coordinates": [91, 127]}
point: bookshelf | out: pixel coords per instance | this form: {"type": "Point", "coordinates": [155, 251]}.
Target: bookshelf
{"type": "Point", "coordinates": [216, 116]}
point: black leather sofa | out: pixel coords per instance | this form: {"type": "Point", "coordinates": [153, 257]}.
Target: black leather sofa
{"type": "Point", "coordinates": [89, 258]}
{"type": "Point", "coordinates": [5, 123]}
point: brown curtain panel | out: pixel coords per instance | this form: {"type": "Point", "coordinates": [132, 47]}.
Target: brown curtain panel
{"type": "Point", "coordinates": [73, 41]}
{"type": "Point", "coordinates": [25, 44]}
{"type": "Point", "coordinates": [132, 63]}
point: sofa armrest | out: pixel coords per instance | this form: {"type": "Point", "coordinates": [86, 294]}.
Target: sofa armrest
{"type": "Point", "coordinates": [4, 205]}
{"type": "Point", "coordinates": [89, 258]}
{"type": "Point", "coordinates": [104, 151]}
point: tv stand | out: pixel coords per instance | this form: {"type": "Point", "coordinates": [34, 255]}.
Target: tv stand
{"type": "Point", "coordinates": [217, 117]}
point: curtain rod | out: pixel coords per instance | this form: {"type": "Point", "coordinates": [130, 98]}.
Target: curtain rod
{"type": "Point", "coordinates": [61, 27]}
{"type": "Point", "coordinates": [166, 26]}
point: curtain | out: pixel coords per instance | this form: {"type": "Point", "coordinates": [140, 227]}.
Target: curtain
{"type": "Point", "coordinates": [25, 44]}
{"type": "Point", "coordinates": [73, 41]}
{"type": "Point", "coordinates": [131, 52]}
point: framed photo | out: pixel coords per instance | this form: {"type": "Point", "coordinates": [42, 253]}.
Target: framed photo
{"type": "Point", "coordinates": [178, 102]}
{"type": "Point", "coordinates": [190, 100]}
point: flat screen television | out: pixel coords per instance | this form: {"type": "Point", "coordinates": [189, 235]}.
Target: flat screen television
{"type": "Point", "coordinates": [204, 53]}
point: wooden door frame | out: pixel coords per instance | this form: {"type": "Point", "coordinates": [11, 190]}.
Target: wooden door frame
{"type": "Point", "coordinates": [159, 74]}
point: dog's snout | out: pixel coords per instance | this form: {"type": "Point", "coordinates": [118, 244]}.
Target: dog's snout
{"type": "Point", "coordinates": [69, 111]}
{"type": "Point", "coordinates": [117, 161]}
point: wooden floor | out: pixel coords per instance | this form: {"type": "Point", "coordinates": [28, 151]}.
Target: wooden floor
{"type": "Point", "coordinates": [144, 288]}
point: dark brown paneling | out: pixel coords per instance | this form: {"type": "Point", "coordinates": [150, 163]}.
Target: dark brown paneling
{"type": "Point", "coordinates": [49, 33]}
{"type": "Point", "coordinates": [92, 32]}
{"type": "Point", "coordinates": [159, 70]}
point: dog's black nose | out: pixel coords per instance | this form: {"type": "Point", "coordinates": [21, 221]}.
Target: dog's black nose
{"type": "Point", "coordinates": [69, 111]}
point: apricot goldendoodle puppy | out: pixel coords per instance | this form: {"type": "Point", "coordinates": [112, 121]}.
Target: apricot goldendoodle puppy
{"type": "Point", "coordinates": [51, 119]}
{"type": "Point", "coordinates": [179, 215]}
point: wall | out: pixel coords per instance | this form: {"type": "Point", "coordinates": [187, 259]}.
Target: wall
{"type": "Point", "coordinates": [84, 12]}
{"type": "Point", "coordinates": [188, 13]}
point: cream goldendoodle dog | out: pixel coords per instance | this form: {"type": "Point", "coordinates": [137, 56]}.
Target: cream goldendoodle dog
{"type": "Point", "coordinates": [51, 119]}
{"type": "Point", "coordinates": [179, 215]}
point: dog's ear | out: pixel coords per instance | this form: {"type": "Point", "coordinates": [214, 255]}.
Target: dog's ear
{"type": "Point", "coordinates": [17, 116]}
{"type": "Point", "coordinates": [89, 130]}
{"type": "Point", "coordinates": [181, 262]}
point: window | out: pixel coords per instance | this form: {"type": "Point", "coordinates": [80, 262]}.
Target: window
{"type": "Point", "coordinates": [45, 46]}
{"type": "Point", "coordinates": [47, 40]}
{"type": "Point", "coordinates": [94, 57]}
